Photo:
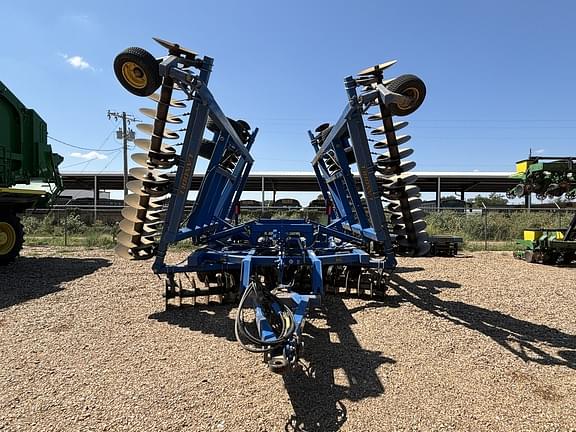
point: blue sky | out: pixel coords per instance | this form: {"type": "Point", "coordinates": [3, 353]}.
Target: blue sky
{"type": "Point", "coordinates": [500, 75]}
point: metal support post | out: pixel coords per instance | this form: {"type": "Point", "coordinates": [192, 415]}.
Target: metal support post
{"type": "Point", "coordinates": [95, 197]}
{"type": "Point", "coordinates": [438, 194]}
{"type": "Point", "coordinates": [263, 195]}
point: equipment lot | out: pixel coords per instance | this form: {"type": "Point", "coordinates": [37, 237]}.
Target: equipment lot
{"type": "Point", "coordinates": [477, 342]}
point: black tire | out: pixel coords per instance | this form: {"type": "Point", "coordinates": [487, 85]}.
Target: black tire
{"type": "Point", "coordinates": [410, 86]}
{"type": "Point", "coordinates": [12, 237]}
{"type": "Point", "coordinates": [137, 71]}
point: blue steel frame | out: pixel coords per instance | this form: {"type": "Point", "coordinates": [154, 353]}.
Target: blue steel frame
{"type": "Point", "coordinates": [264, 243]}
{"type": "Point", "coordinates": [340, 189]}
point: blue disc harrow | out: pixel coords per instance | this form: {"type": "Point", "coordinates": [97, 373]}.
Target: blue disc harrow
{"type": "Point", "coordinates": [275, 269]}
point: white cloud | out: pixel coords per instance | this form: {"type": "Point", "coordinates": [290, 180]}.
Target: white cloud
{"type": "Point", "coordinates": [539, 151]}
{"type": "Point", "coordinates": [89, 155]}
{"type": "Point", "coordinates": [77, 62]}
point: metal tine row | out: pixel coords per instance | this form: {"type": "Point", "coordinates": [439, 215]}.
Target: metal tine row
{"type": "Point", "coordinates": [143, 213]}
{"type": "Point", "coordinates": [218, 288]}
{"type": "Point", "coordinates": [398, 188]}
{"type": "Point", "coordinates": [356, 282]}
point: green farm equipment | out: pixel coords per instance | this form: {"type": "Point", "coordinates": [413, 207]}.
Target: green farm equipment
{"type": "Point", "coordinates": [547, 177]}
{"type": "Point", "coordinates": [25, 157]}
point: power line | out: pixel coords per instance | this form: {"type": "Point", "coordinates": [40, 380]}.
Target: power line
{"type": "Point", "coordinates": [84, 148]}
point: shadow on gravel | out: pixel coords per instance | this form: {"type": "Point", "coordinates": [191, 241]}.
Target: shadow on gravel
{"type": "Point", "coordinates": [337, 371]}
{"type": "Point", "coordinates": [209, 318]}
{"type": "Point", "coordinates": [315, 395]}
{"type": "Point", "coordinates": [33, 277]}
{"type": "Point", "coordinates": [531, 342]}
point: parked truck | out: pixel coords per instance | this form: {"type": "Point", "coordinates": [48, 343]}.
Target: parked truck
{"type": "Point", "coordinates": [29, 174]}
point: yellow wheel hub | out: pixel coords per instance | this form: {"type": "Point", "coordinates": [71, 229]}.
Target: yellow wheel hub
{"type": "Point", "coordinates": [134, 75]}
{"type": "Point", "coordinates": [7, 238]}
{"type": "Point", "coordinates": [411, 93]}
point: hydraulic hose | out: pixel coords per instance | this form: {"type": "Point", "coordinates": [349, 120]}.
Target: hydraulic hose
{"type": "Point", "coordinates": [257, 344]}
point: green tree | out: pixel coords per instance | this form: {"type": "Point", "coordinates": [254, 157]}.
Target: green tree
{"type": "Point", "coordinates": [492, 200]}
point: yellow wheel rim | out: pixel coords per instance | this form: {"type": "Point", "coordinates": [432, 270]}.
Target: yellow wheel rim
{"type": "Point", "coordinates": [134, 75]}
{"type": "Point", "coordinates": [7, 238]}
{"type": "Point", "coordinates": [413, 94]}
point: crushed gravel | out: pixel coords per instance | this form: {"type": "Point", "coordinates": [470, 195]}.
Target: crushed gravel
{"type": "Point", "coordinates": [481, 342]}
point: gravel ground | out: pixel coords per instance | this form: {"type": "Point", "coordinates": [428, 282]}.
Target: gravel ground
{"type": "Point", "coordinates": [481, 342]}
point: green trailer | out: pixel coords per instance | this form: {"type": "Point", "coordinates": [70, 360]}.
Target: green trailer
{"type": "Point", "coordinates": [29, 174]}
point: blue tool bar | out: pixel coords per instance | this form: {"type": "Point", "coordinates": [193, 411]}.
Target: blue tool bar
{"type": "Point", "coordinates": [317, 280]}
{"type": "Point", "coordinates": [333, 133]}
{"type": "Point", "coordinates": [366, 167]}
{"type": "Point", "coordinates": [233, 190]}
{"type": "Point", "coordinates": [349, 181]}
{"type": "Point", "coordinates": [187, 161]}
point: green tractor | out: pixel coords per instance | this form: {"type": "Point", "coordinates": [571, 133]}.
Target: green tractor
{"type": "Point", "coordinates": [547, 177]}
{"type": "Point", "coordinates": [25, 158]}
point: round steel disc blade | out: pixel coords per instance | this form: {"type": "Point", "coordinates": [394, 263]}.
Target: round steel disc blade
{"type": "Point", "coordinates": [132, 228]}
{"type": "Point", "coordinates": [134, 254]}
{"type": "Point", "coordinates": [140, 159]}
{"type": "Point", "coordinates": [150, 112]}
{"type": "Point", "coordinates": [173, 103]}
{"type": "Point", "coordinates": [149, 176]}
{"type": "Point", "coordinates": [404, 153]}
{"type": "Point", "coordinates": [421, 237]}
{"type": "Point", "coordinates": [417, 213]}
{"type": "Point", "coordinates": [148, 129]}
{"type": "Point", "coordinates": [413, 202]}
{"type": "Point", "coordinates": [173, 47]}
{"type": "Point", "coordinates": [135, 186]}
{"type": "Point", "coordinates": [382, 144]}
{"type": "Point", "coordinates": [400, 125]}
{"type": "Point", "coordinates": [134, 215]}
{"type": "Point", "coordinates": [402, 180]}
{"type": "Point", "coordinates": [376, 68]}
{"type": "Point", "coordinates": [375, 117]}
{"type": "Point", "coordinates": [409, 191]}
{"type": "Point", "coordinates": [419, 225]}
{"type": "Point", "coordinates": [142, 202]}
{"type": "Point", "coordinates": [404, 167]}
{"type": "Point", "coordinates": [144, 144]}
{"type": "Point", "coordinates": [150, 160]}
{"type": "Point", "coordinates": [147, 190]}
{"type": "Point", "coordinates": [133, 241]}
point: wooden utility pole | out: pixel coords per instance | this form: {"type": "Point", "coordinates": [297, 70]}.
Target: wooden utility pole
{"type": "Point", "coordinates": [127, 135]}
